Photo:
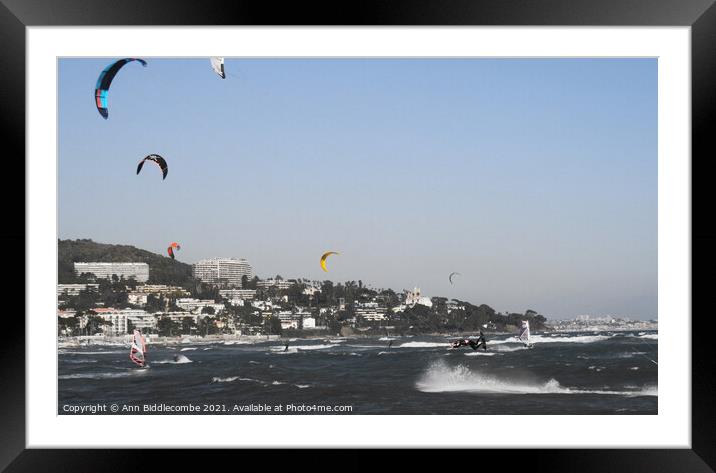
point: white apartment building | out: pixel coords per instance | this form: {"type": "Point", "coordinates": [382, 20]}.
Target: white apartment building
{"type": "Point", "coordinates": [241, 294]}
{"type": "Point", "coordinates": [137, 298]}
{"type": "Point", "coordinates": [288, 319]}
{"type": "Point", "coordinates": [119, 318]}
{"type": "Point", "coordinates": [177, 317]}
{"type": "Point", "coordinates": [218, 271]}
{"type": "Point", "coordinates": [162, 289]}
{"type": "Point", "coordinates": [275, 283]}
{"type": "Point", "coordinates": [196, 305]}
{"type": "Point", "coordinates": [74, 289]}
{"type": "Point", "coordinates": [370, 311]}
{"type": "Point", "coordinates": [413, 297]}
{"type": "Point", "coordinates": [139, 271]}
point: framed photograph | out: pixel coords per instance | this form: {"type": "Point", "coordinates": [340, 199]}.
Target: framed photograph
{"type": "Point", "coordinates": [409, 227]}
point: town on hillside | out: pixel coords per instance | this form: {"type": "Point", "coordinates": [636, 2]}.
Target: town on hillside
{"type": "Point", "coordinates": [223, 296]}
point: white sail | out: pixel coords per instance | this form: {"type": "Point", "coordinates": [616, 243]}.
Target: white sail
{"type": "Point", "coordinates": [217, 63]}
{"type": "Point", "coordinates": [524, 335]}
{"type": "Point", "coordinates": [138, 349]}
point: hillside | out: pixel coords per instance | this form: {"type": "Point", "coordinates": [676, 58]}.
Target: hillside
{"type": "Point", "coordinates": [162, 269]}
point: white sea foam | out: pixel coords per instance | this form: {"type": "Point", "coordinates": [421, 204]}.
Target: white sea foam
{"type": "Point", "coordinates": [312, 347]}
{"type": "Point", "coordinates": [121, 374]}
{"type": "Point", "coordinates": [573, 339]}
{"type": "Point", "coordinates": [224, 380]}
{"type": "Point", "coordinates": [423, 345]}
{"type": "Point", "coordinates": [480, 353]}
{"type": "Point", "coordinates": [302, 386]}
{"type": "Point", "coordinates": [180, 360]}
{"type": "Point", "coordinates": [93, 352]}
{"type": "Point", "coordinates": [188, 349]}
{"type": "Point", "coordinates": [439, 377]}
{"type": "Point", "coordinates": [506, 349]}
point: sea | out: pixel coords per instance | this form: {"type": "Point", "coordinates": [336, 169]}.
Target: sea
{"type": "Point", "coordinates": [562, 373]}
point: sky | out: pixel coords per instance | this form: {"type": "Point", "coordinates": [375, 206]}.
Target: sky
{"type": "Point", "coordinates": [535, 179]}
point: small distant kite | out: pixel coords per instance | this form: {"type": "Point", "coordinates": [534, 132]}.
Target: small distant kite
{"type": "Point", "coordinates": [104, 81]}
{"type": "Point", "coordinates": [217, 63]}
{"type": "Point", "coordinates": [451, 276]}
{"type": "Point", "coordinates": [323, 259]}
{"type": "Point", "coordinates": [161, 162]}
{"type": "Point", "coordinates": [171, 248]}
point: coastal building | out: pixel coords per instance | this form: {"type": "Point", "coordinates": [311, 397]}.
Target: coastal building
{"type": "Point", "coordinates": [74, 289]}
{"type": "Point", "coordinates": [118, 320]}
{"type": "Point", "coordinates": [452, 305]}
{"type": "Point", "coordinates": [162, 289]}
{"type": "Point", "coordinates": [288, 319]}
{"type": "Point", "coordinates": [311, 290]}
{"type": "Point", "coordinates": [197, 305]}
{"type": "Point", "coordinates": [371, 311]}
{"type": "Point", "coordinates": [138, 271]}
{"type": "Point", "coordinates": [412, 298]}
{"type": "Point", "coordinates": [241, 294]}
{"type": "Point", "coordinates": [137, 298]}
{"type": "Point", "coordinates": [177, 317]}
{"type": "Point", "coordinates": [275, 283]}
{"type": "Point", "coordinates": [222, 271]}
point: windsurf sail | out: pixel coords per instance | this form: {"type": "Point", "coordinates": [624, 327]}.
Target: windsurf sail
{"type": "Point", "coordinates": [524, 335]}
{"type": "Point", "coordinates": [138, 350]}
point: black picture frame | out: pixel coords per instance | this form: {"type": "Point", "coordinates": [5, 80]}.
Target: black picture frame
{"type": "Point", "coordinates": [700, 15]}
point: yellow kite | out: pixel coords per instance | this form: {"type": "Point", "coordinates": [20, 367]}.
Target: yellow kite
{"type": "Point", "coordinates": [323, 259]}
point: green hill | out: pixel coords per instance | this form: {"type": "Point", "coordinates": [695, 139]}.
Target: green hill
{"type": "Point", "coordinates": [162, 270]}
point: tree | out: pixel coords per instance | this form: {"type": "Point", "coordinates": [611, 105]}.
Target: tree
{"type": "Point", "coordinates": [206, 326]}
{"type": "Point", "coordinates": [95, 323]}
{"type": "Point", "coordinates": [187, 324]}
{"type": "Point", "coordinates": [67, 324]}
{"type": "Point", "coordinates": [208, 310]}
{"type": "Point", "coordinates": [166, 327]}
{"type": "Point", "coordinates": [130, 326]}
{"type": "Point", "coordinates": [272, 325]}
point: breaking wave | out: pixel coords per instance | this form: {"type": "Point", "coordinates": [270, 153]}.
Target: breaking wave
{"type": "Point", "coordinates": [121, 374]}
{"type": "Point", "coordinates": [188, 349]}
{"type": "Point", "coordinates": [181, 359]}
{"type": "Point", "coordinates": [92, 352]}
{"type": "Point", "coordinates": [423, 345]}
{"type": "Point", "coordinates": [441, 378]}
{"type": "Point", "coordinates": [224, 380]}
{"type": "Point", "coordinates": [573, 339]}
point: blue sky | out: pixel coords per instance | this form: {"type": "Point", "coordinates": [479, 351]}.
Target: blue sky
{"type": "Point", "coordinates": [536, 179]}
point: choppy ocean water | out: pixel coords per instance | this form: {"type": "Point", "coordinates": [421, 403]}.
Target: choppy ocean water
{"type": "Point", "coordinates": [564, 373]}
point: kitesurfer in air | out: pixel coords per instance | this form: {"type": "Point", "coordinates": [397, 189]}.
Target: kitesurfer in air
{"type": "Point", "coordinates": [474, 344]}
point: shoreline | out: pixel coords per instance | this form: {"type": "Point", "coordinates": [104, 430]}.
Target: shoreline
{"type": "Point", "coordinates": [228, 339]}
